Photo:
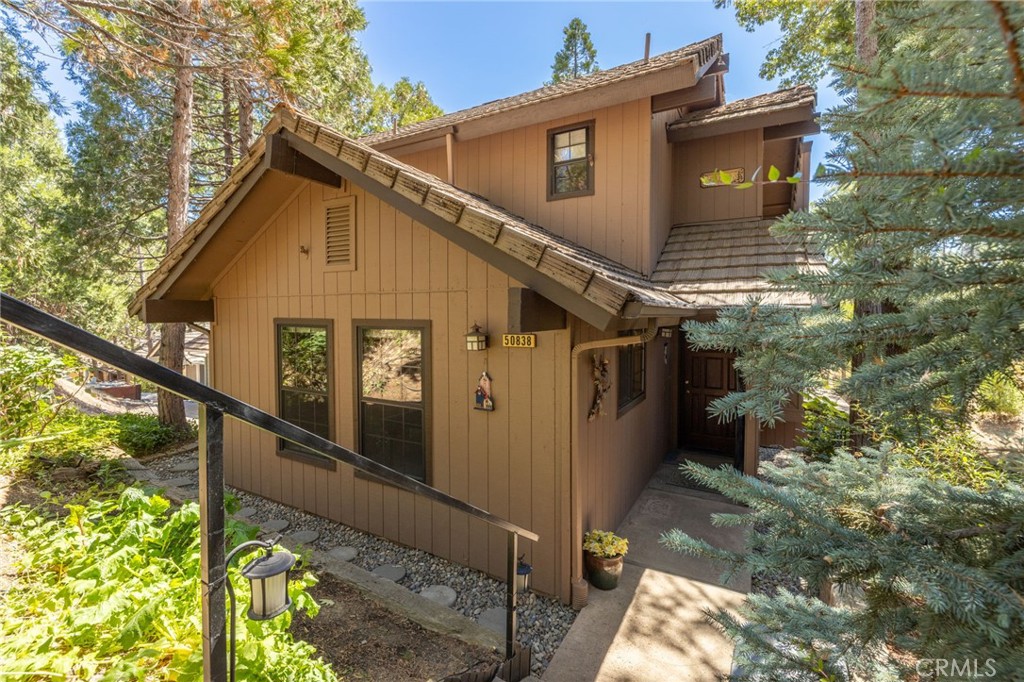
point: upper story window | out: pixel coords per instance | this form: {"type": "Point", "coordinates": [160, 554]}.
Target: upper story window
{"type": "Point", "coordinates": [571, 161]}
{"type": "Point", "coordinates": [304, 386]}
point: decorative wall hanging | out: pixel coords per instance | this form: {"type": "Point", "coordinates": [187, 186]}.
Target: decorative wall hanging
{"type": "Point", "coordinates": [601, 385]}
{"type": "Point", "coordinates": [484, 401]}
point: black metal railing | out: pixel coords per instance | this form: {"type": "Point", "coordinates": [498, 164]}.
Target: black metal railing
{"type": "Point", "coordinates": [213, 406]}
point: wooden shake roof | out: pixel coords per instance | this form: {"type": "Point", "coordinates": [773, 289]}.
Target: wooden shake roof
{"type": "Point", "coordinates": [723, 264]}
{"type": "Point", "coordinates": [701, 267]}
{"type": "Point", "coordinates": [700, 53]}
{"type": "Point", "coordinates": [768, 103]}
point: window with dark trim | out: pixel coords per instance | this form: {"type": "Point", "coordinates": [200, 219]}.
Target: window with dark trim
{"type": "Point", "coordinates": [571, 161]}
{"type": "Point", "coordinates": [632, 371]}
{"type": "Point", "coordinates": [304, 383]}
{"type": "Point", "coordinates": [392, 395]}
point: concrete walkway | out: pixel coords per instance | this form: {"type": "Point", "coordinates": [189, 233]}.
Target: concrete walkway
{"type": "Point", "coordinates": [652, 626]}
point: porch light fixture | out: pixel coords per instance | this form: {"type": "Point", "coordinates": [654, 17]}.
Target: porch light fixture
{"type": "Point", "coordinates": [268, 580]}
{"type": "Point", "coordinates": [476, 339]}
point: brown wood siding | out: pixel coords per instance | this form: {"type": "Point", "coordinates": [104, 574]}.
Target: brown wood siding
{"type": "Point", "coordinates": [695, 204]}
{"type": "Point", "coordinates": [510, 170]}
{"type": "Point", "coordinates": [661, 183]}
{"type": "Point", "coordinates": [619, 453]}
{"type": "Point", "coordinates": [786, 432]}
{"type": "Point", "coordinates": [507, 461]}
{"type": "Point", "coordinates": [778, 198]}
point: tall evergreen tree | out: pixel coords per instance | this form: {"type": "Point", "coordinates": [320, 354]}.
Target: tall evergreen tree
{"type": "Point", "coordinates": [926, 212]}
{"type": "Point", "coordinates": [302, 53]}
{"type": "Point", "coordinates": [577, 56]}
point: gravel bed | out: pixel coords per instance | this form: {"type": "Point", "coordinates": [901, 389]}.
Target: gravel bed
{"type": "Point", "coordinates": [543, 621]}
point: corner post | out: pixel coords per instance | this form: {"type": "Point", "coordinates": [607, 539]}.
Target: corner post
{"type": "Point", "coordinates": [511, 596]}
{"type": "Point", "coordinates": [211, 537]}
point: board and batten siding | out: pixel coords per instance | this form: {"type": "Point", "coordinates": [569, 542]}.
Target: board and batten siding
{"type": "Point", "coordinates": [510, 169]}
{"type": "Point", "coordinates": [618, 453]}
{"type": "Point", "coordinates": [511, 462]}
{"type": "Point", "coordinates": [692, 203]}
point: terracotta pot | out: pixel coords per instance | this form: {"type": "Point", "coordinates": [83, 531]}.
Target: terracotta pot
{"type": "Point", "coordinates": [603, 573]}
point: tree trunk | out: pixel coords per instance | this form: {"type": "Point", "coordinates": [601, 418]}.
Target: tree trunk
{"type": "Point", "coordinates": [866, 43]}
{"type": "Point", "coordinates": [227, 125]}
{"type": "Point", "coordinates": [244, 117]}
{"type": "Point", "coordinates": [172, 335]}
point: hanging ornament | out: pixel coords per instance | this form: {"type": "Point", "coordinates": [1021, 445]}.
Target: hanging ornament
{"type": "Point", "coordinates": [484, 401]}
{"type": "Point", "coordinates": [601, 385]}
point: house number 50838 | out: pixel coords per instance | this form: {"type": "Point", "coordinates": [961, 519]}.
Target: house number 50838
{"type": "Point", "coordinates": [519, 340]}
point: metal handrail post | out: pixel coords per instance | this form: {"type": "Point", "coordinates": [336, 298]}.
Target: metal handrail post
{"type": "Point", "coordinates": [213, 568]}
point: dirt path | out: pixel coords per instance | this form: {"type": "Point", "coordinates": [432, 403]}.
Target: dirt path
{"type": "Point", "coordinates": [364, 641]}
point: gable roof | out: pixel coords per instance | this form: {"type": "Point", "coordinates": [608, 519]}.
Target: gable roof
{"type": "Point", "coordinates": [723, 264]}
{"type": "Point", "coordinates": [699, 53]}
{"type": "Point", "coordinates": [769, 103]}
{"type": "Point", "coordinates": [591, 286]}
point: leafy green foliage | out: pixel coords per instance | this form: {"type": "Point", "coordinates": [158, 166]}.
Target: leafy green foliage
{"type": "Point", "coordinates": [999, 396]}
{"type": "Point", "coordinates": [938, 566]}
{"type": "Point", "coordinates": [38, 431]}
{"type": "Point", "coordinates": [26, 387]}
{"type": "Point", "coordinates": [815, 36]}
{"type": "Point", "coordinates": [925, 216]}
{"type": "Point", "coordinates": [954, 457]}
{"type": "Point", "coordinates": [111, 592]}
{"type": "Point", "coordinates": [577, 56]}
{"type": "Point", "coordinates": [826, 428]}
{"type": "Point", "coordinates": [388, 109]}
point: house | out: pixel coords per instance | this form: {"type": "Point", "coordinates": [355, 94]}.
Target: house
{"type": "Point", "coordinates": [197, 348]}
{"type": "Point", "coordinates": [576, 226]}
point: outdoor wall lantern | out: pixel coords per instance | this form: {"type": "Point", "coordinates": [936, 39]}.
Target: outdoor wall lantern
{"type": "Point", "coordinates": [476, 339]}
{"type": "Point", "coordinates": [268, 580]}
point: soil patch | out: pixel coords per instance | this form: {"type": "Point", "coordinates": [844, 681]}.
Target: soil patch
{"type": "Point", "coordinates": [363, 640]}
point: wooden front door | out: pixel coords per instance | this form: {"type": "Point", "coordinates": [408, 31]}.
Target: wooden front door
{"type": "Point", "coordinates": [705, 376]}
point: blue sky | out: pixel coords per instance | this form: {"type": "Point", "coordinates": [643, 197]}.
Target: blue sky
{"type": "Point", "coordinates": [468, 53]}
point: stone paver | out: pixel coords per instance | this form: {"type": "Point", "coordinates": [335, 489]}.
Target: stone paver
{"type": "Point", "coordinates": [304, 537]}
{"type": "Point", "coordinates": [441, 594]}
{"type": "Point", "coordinates": [390, 572]}
{"type": "Point", "coordinates": [182, 467]}
{"type": "Point", "coordinates": [343, 553]}
{"type": "Point", "coordinates": [245, 512]}
{"type": "Point", "coordinates": [180, 482]}
{"type": "Point", "coordinates": [274, 525]}
{"type": "Point", "coordinates": [493, 619]}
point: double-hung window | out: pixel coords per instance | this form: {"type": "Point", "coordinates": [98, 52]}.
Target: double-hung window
{"type": "Point", "coordinates": [304, 383]}
{"type": "Point", "coordinates": [571, 161]}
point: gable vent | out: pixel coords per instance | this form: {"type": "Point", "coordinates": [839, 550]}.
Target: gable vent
{"type": "Point", "coordinates": [340, 221]}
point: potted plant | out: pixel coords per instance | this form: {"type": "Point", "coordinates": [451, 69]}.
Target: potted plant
{"type": "Point", "coordinates": [603, 552]}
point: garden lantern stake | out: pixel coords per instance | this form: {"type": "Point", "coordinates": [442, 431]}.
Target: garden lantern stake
{"type": "Point", "coordinates": [268, 579]}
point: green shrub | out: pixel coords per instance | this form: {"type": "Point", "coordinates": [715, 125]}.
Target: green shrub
{"type": "Point", "coordinates": [112, 593]}
{"type": "Point", "coordinates": [999, 396]}
{"type": "Point", "coordinates": [826, 428]}
{"type": "Point", "coordinates": [142, 434]}
{"type": "Point", "coordinates": [26, 388]}
{"type": "Point", "coordinates": [954, 458]}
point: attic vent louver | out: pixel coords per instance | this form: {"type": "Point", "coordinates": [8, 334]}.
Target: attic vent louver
{"type": "Point", "coordinates": [340, 221]}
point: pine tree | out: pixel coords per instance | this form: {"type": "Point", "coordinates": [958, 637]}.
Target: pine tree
{"type": "Point", "coordinates": [577, 56]}
{"type": "Point", "coordinates": [925, 214]}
